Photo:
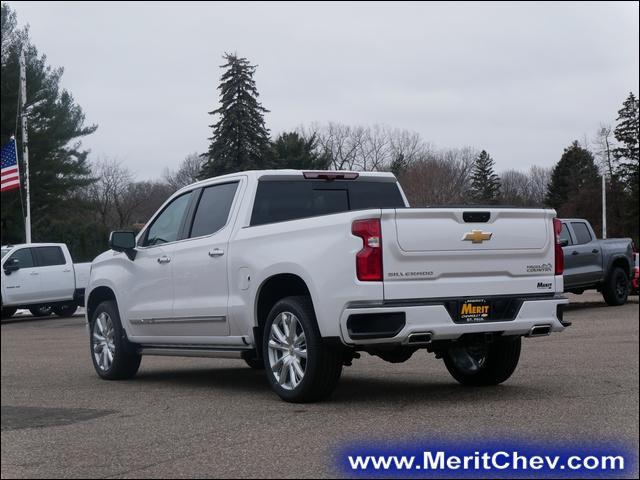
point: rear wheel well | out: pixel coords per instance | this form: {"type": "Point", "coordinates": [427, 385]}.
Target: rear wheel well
{"type": "Point", "coordinates": [99, 295]}
{"type": "Point", "coordinates": [274, 289]}
{"type": "Point", "coordinates": [621, 263]}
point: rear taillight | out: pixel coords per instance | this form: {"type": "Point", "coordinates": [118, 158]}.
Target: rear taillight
{"type": "Point", "coordinates": [369, 259]}
{"type": "Point", "coordinates": [559, 255]}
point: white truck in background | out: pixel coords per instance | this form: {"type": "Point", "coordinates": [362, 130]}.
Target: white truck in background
{"type": "Point", "coordinates": [298, 272]}
{"type": "Point", "coordinates": [42, 278]}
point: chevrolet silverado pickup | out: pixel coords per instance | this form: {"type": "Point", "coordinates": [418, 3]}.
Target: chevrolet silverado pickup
{"type": "Point", "coordinates": [590, 263]}
{"type": "Point", "coordinates": [299, 272]}
{"type": "Point", "coordinates": [42, 278]}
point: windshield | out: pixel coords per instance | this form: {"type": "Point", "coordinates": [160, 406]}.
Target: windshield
{"type": "Point", "coordinates": [5, 251]}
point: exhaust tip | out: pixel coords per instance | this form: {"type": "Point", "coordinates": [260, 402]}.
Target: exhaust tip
{"type": "Point", "coordinates": [415, 338]}
{"type": "Point", "coordinates": [540, 330]}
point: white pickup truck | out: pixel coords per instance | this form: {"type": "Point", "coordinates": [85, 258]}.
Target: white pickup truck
{"type": "Point", "coordinates": [297, 272]}
{"type": "Point", "coordinates": [42, 277]}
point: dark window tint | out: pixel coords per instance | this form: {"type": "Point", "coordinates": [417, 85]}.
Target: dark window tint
{"type": "Point", "coordinates": [565, 235]}
{"type": "Point", "coordinates": [213, 209]}
{"type": "Point", "coordinates": [166, 227]}
{"type": "Point", "coordinates": [363, 195]}
{"type": "Point", "coordinates": [24, 258]}
{"type": "Point", "coordinates": [48, 256]}
{"type": "Point", "coordinates": [278, 201]}
{"type": "Point", "coordinates": [582, 232]}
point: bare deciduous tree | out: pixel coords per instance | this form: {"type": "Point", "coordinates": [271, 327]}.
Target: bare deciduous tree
{"type": "Point", "coordinates": [118, 200]}
{"type": "Point", "coordinates": [525, 189]}
{"type": "Point", "coordinates": [187, 173]}
{"type": "Point", "coordinates": [438, 178]}
{"type": "Point", "coordinates": [366, 148]}
{"type": "Point", "coordinates": [112, 182]}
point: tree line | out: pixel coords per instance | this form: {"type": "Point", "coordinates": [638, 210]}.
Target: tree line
{"type": "Point", "coordinates": [78, 202]}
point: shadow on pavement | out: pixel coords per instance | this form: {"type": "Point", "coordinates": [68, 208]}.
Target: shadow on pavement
{"type": "Point", "coordinates": [351, 390]}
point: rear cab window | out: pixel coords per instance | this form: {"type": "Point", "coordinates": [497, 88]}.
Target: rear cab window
{"type": "Point", "coordinates": [214, 206]}
{"type": "Point", "coordinates": [283, 200]}
{"type": "Point", "coordinates": [49, 256]}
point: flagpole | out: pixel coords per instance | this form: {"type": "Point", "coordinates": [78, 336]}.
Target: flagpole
{"type": "Point", "coordinates": [604, 205]}
{"type": "Point", "coordinates": [25, 143]}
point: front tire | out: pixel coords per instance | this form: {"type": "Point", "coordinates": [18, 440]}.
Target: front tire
{"type": "Point", "coordinates": [299, 366]}
{"type": "Point", "coordinates": [616, 288]}
{"type": "Point", "coordinates": [113, 356]}
{"type": "Point", "coordinates": [483, 364]}
{"type": "Point", "coordinates": [65, 310]}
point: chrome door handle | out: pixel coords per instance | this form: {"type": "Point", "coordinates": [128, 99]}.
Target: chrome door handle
{"type": "Point", "coordinates": [164, 259]}
{"type": "Point", "coordinates": [66, 270]}
{"type": "Point", "coordinates": [216, 252]}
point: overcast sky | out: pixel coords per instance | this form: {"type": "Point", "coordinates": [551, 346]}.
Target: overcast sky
{"type": "Point", "coordinates": [519, 80]}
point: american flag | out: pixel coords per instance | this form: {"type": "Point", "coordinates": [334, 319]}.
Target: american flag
{"type": "Point", "coordinates": [10, 173]}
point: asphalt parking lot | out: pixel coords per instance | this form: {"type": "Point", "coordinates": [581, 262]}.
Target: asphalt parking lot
{"type": "Point", "coordinates": [206, 417]}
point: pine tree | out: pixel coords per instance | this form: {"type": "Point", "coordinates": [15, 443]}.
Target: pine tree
{"type": "Point", "coordinates": [292, 150]}
{"type": "Point", "coordinates": [240, 138]}
{"type": "Point", "coordinates": [58, 164]}
{"type": "Point", "coordinates": [626, 161]}
{"type": "Point", "coordinates": [485, 183]}
{"type": "Point", "coordinates": [574, 189]}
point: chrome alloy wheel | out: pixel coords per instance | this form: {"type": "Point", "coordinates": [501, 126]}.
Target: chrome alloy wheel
{"type": "Point", "coordinates": [287, 350]}
{"type": "Point", "coordinates": [102, 341]}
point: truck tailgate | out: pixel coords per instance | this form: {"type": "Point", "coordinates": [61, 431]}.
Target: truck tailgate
{"type": "Point", "coordinates": [465, 252]}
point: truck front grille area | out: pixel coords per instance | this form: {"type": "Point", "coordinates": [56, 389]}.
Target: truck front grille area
{"type": "Point", "coordinates": [366, 326]}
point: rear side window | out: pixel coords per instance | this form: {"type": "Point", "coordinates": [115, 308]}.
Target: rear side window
{"type": "Point", "coordinates": [565, 235]}
{"type": "Point", "coordinates": [213, 209]}
{"type": "Point", "coordinates": [279, 201]}
{"type": "Point", "coordinates": [582, 232]}
{"type": "Point", "coordinates": [24, 257]}
{"type": "Point", "coordinates": [49, 256]}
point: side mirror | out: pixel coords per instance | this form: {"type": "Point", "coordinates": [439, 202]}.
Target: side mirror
{"type": "Point", "coordinates": [12, 265]}
{"type": "Point", "coordinates": [123, 241]}
{"type": "Point", "coordinates": [564, 242]}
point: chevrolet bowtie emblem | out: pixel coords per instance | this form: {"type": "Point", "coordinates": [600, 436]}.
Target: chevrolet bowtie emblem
{"type": "Point", "coordinates": [477, 236]}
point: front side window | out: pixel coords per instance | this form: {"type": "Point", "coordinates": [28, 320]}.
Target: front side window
{"type": "Point", "coordinates": [166, 226]}
{"type": "Point", "coordinates": [24, 257]}
{"type": "Point", "coordinates": [213, 209]}
{"type": "Point", "coordinates": [582, 232]}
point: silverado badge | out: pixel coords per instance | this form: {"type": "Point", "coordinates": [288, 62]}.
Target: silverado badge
{"type": "Point", "coordinates": [477, 236]}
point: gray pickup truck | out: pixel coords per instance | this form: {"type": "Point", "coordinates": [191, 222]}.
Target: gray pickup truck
{"type": "Point", "coordinates": [589, 263]}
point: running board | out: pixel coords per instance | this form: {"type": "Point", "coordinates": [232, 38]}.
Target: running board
{"type": "Point", "coordinates": [196, 352]}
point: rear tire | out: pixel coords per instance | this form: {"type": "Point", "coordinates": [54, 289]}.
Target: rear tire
{"type": "Point", "coordinates": [40, 311]}
{"type": "Point", "coordinates": [65, 310]}
{"type": "Point", "coordinates": [8, 312]}
{"type": "Point", "coordinates": [616, 288]}
{"type": "Point", "coordinates": [113, 356]}
{"type": "Point", "coordinates": [481, 365]}
{"type": "Point", "coordinates": [299, 366]}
